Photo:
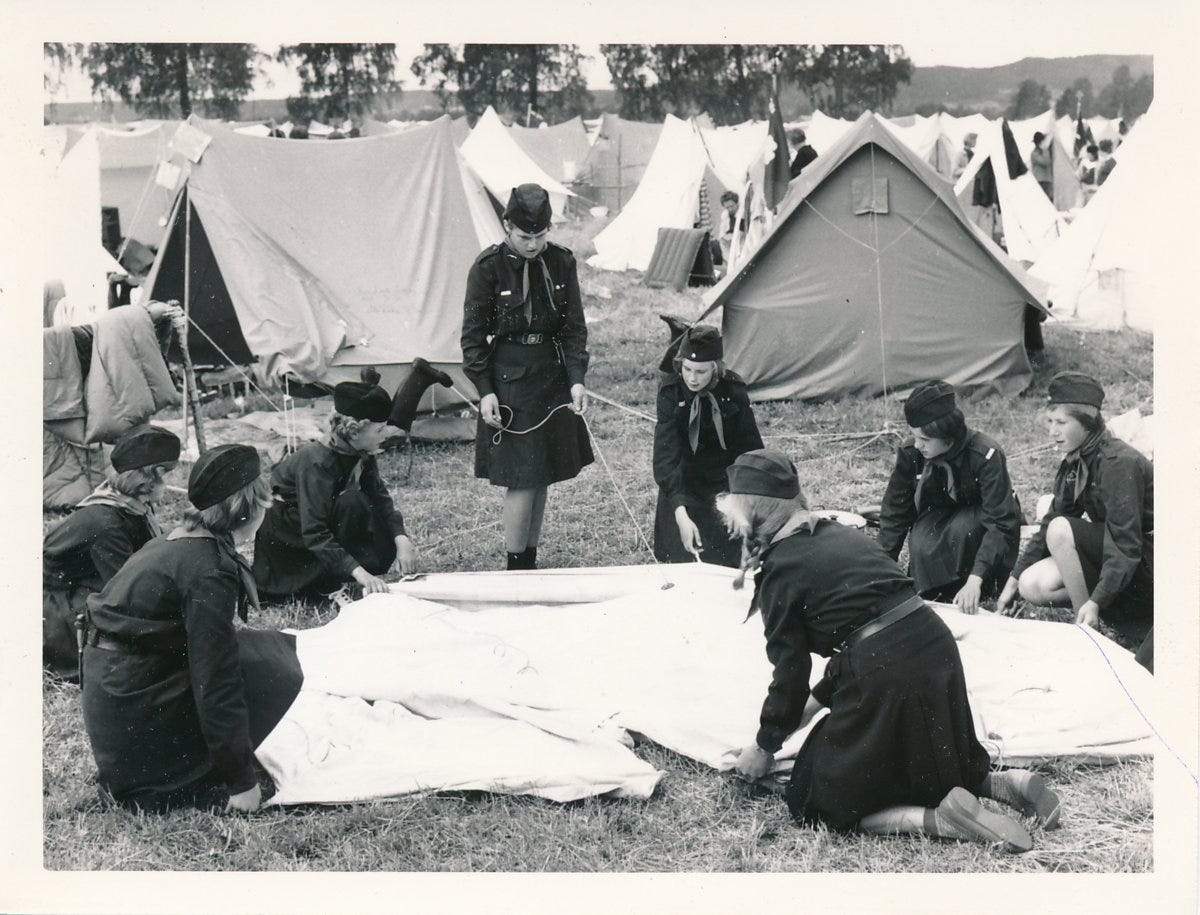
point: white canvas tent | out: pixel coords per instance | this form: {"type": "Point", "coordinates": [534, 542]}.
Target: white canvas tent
{"type": "Point", "coordinates": [924, 136]}
{"type": "Point", "coordinates": [1068, 194]}
{"type": "Point", "coordinates": [667, 197]}
{"type": "Point", "coordinates": [501, 164]}
{"type": "Point", "coordinates": [1101, 270]}
{"type": "Point", "coordinates": [1030, 220]}
{"type": "Point", "coordinates": [319, 258]}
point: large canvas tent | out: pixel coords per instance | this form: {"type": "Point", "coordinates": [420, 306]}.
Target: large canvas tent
{"type": "Point", "coordinates": [667, 197]}
{"type": "Point", "coordinates": [924, 136]}
{"type": "Point", "coordinates": [500, 162]}
{"type": "Point", "coordinates": [560, 151]}
{"type": "Point", "coordinates": [319, 258]}
{"type": "Point", "coordinates": [1068, 194]}
{"type": "Point", "coordinates": [129, 159]}
{"type": "Point", "coordinates": [617, 160]}
{"type": "Point", "coordinates": [872, 278]}
{"type": "Point", "coordinates": [1101, 270]}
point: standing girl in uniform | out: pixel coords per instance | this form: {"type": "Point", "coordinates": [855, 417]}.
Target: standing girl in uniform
{"type": "Point", "coordinates": [524, 344]}
{"type": "Point", "coordinates": [704, 423]}
{"type": "Point", "coordinates": [897, 752]}
{"type": "Point", "coordinates": [163, 695]}
{"type": "Point", "coordinates": [951, 496]}
{"type": "Point", "coordinates": [1102, 565]}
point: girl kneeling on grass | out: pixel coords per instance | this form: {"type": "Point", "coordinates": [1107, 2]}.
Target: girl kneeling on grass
{"type": "Point", "coordinates": [897, 752]}
{"type": "Point", "coordinates": [333, 520]}
{"type": "Point", "coordinates": [163, 694]}
{"type": "Point", "coordinates": [951, 496]}
{"type": "Point", "coordinates": [1101, 564]}
{"type": "Point", "coordinates": [704, 423]}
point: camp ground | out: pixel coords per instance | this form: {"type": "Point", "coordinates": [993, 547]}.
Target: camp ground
{"type": "Point", "coordinates": [590, 715]}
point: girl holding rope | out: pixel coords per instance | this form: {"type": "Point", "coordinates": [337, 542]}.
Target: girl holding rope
{"type": "Point", "coordinates": [1095, 548]}
{"type": "Point", "coordinates": [897, 752]}
{"type": "Point", "coordinates": [524, 344]}
{"type": "Point", "coordinates": [704, 423]}
{"type": "Point", "coordinates": [951, 496]}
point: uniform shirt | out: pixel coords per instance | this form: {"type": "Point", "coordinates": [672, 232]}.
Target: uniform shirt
{"type": "Point", "coordinates": [693, 479]}
{"type": "Point", "coordinates": [494, 306]}
{"type": "Point", "coordinates": [980, 478]}
{"type": "Point", "coordinates": [1120, 495]}
{"type": "Point", "coordinates": [174, 602]}
{"type": "Point", "coordinates": [1042, 165]}
{"type": "Point", "coordinates": [804, 156]}
{"type": "Point", "coordinates": [814, 589]}
{"type": "Point", "coordinates": [308, 481]}
{"type": "Point", "coordinates": [89, 546]}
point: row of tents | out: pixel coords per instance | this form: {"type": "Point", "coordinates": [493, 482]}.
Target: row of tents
{"type": "Point", "coordinates": [314, 259]}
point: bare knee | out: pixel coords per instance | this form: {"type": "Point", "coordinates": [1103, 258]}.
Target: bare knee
{"type": "Point", "coordinates": [1039, 582]}
{"type": "Point", "coordinates": [1059, 535]}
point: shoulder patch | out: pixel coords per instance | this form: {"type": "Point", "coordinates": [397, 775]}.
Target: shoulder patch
{"type": "Point", "coordinates": [990, 452]}
{"type": "Point", "coordinates": [488, 252]}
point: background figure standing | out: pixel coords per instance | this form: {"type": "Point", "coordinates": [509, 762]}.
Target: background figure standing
{"type": "Point", "coordinates": [524, 343]}
{"type": "Point", "coordinates": [1041, 160]}
{"type": "Point", "coordinates": [805, 154]}
{"type": "Point", "coordinates": [704, 422]}
{"type": "Point", "coordinates": [950, 494]}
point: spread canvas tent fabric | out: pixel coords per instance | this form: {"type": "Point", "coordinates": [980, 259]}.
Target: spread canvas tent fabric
{"type": "Point", "coordinates": [129, 159]}
{"type": "Point", "coordinates": [559, 151]}
{"type": "Point", "coordinates": [501, 164]}
{"type": "Point", "coordinates": [617, 160]}
{"type": "Point", "coordinates": [1101, 270]}
{"type": "Point", "coordinates": [1030, 220]}
{"type": "Point", "coordinates": [667, 197]}
{"type": "Point", "coordinates": [1068, 193]}
{"type": "Point", "coordinates": [870, 275]}
{"type": "Point", "coordinates": [324, 257]}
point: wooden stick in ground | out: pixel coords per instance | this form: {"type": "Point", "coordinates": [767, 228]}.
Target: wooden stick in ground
{"type": "Point", "coordinates": [189, 383]}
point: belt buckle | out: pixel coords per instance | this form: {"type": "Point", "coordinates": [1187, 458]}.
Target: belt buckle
{"type": "Point", "coordinates": [533, 338]}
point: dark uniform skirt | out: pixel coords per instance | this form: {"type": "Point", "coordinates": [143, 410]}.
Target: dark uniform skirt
{"type": "Point", "coordinates": [1132, 612]}
{"type": "Point", "coordinates": [899, 729]}
{"type": "Point", "coordinates": [720, 548]}
{"type": "Point", "coordinates": [530, 382]}
{"type": "Point", "coordinates": [942, 549]}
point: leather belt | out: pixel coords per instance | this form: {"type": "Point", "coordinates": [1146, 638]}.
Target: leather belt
{"type": "Point", "coordinates": [881, 622]}
{"type": "Point", "coordinates": [527, 339]}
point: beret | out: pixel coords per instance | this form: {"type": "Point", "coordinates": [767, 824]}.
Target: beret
{"type": "Point", "coordinates": [144, 446]}
{"type": "Point", "coordinates": [362, 401]}
{"type": "Point", "coordinates": [702, 344]}
{"type": "Point", "coordinates": [529, 208]}
{"type": "Point", "coordinates": [220, 472]}
{"type": "Point", "coordinates": [929, 400]}
{"type": "Point", "coordinates": [1076, 387]}
{"type": "Point", "coordinates": [764, 473]}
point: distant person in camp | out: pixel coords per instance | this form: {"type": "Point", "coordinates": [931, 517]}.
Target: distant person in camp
{"type": "Point", "coordinates": [87, 548]}
{"type": "Point", "coordinates": [805, 154]}
{"type": "Point", "coordinates": [964, 155]}
{"type": "Point", "coordinates": [950, 495]}
{"type": "Point", "coordinates": [1089, 165]}
{"type": "Point", "coordinates": [897, 752]}
{"type": "Point", "coordinates": [1042, 163]}
{"type": "Point", "coordinates": [1107, 162]}
{"type": "Point", "coordinates": [1095, 548]}
{"type": "Point", "coordinates": [163, 696]}
{"type": "Point", "coordinates": [731, 226]}
{"type": "Point", "coordinates": [333, 522]}
{"type": "Point", "coordinates": [704, 422]}
{"type": "Point", "coordinates": [524, 344]}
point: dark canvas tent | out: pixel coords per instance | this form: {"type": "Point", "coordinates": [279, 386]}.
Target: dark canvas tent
{"type": "Point", "coordinates": [871, 278]}
{"type": "Point", "coordinates": [560, 150]}
{"type": "Point", "coordinates": [319, 258]}
{"type": "Point", "coordinates": [617, 160]}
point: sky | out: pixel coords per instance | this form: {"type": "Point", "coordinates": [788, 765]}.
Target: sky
{"type": "Point", "coordinates": [277, 81]}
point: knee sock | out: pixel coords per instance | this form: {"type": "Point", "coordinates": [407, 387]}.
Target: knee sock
{"type": "Point", "coordinates": [1024, 791]}
{"type": "Point", "coordinates": [404, 405]}
{"type": "Point", "coordinates": [529, 558]}
{"type": "Point", "coordinates": [516, 561]}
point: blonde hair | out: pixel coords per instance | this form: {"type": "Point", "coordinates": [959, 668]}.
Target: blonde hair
{"type": "Point", "coordinates": [756, 519]}
{"type": "Point", "coordinates": [231, 512]}
{"type": "Point", "coordinates": [346, 427]}
{"type": "Point", "coordinates": [137, 483]}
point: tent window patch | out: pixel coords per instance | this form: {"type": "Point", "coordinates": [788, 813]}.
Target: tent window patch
{"type": "Point", "coordinates": [869, 195]}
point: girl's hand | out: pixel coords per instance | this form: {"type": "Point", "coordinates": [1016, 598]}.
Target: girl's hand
{"type": "Point", "coordinates": [1004, 603]}
{"type": "Point", "coordinates": [489, 409]}
{"type": "Point", "coordinates": [579, 398]}
{"type": "Point", "coordinates": [967, 599]}
{"type": "Point", "coordinates": [754, 762]}
{"type": "Point", "coordinates": [1088, 615]}
{"type": "Point", "coordinates": [406, 553]}
{"type": "Point", "coordinates": [245, 802]}
{"type": "Point", "coordinates": [688, 532]}
{"type": "Point", "coordinates": [370, 584]}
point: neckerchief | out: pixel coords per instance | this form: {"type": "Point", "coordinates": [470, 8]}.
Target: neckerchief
{"type": "Point", "coordinates": [942, 463]}
{"type": "Point", "coordinates": [338, 445]}
{"type": "Point", "coordinates": [105, 494]}
{"type": "Point", "coordinates": [526, 298]}
{"type": "Point", "coordinates": [1075, 463]}
{"type": "Point", "coordinates": [802, 521]}
{"type": "Point", "coordinates": [248, 593]}
{"type": "Point", "coordinates": [694, 415]}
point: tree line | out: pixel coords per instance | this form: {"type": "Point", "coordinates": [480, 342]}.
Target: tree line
{"type": "Point", "coordinates": [537, 82]}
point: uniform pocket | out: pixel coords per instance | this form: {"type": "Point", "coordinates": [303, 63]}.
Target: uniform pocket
{"type": "Point", "coordinates": [507, 373]}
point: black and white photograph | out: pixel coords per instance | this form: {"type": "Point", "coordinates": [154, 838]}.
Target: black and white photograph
{"type": "Point", "coordinates": [575, 448]}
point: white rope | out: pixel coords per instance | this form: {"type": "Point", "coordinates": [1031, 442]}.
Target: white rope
{"type": "Point", "coordinates": [620, 406]}
{"type": "Point", "coordinates": [240, 370]}
{"type": "Point", "coordinates": [504, 428]}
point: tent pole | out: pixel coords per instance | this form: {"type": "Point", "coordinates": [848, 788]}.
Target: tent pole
{"type": "Point", "coordinates": [191, 396]}
{"type": "Point", "coordinates": [620, 175]}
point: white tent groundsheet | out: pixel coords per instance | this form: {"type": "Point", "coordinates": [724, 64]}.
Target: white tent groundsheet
{"type": "Point", "coordinates": [531, 683]}
{"type": "Point", "coordinates": [501, 164]}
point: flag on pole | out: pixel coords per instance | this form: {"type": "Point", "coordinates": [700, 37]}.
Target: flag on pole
{"type": "Point", "coordinates": [1012, 154]}
{"type": "Point", "coordinates": [775, 182]}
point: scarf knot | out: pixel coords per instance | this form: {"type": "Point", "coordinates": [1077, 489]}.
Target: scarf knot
{"type": "Point", "coordinates": [106, 494]}
{"type": "Point", "coordinates": [695, 412]}
{"type": "Point", "coordinates": [1074, 468]}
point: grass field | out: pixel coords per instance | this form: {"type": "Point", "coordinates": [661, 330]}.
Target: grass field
{"type": "Point", "coordinates": [698, 820]}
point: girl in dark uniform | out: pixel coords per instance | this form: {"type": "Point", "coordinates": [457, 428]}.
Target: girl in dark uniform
{"type": "Point", "coordinates": [897, 752]}
{"type": "Point", "coordinates": [333, 520]}
{"type": "Point", "coordinates": [704, 422]}
{"type": "Point", "coordinates": [524, 344]}
{"type": "Point", "coordinates": [81, 553]}
{"type": "Point", "coordinates": [163, 694]}
{"type": "Point", "coordinates": [1102, 565]}
{"type": "Point", "coordinates": [951, 495]}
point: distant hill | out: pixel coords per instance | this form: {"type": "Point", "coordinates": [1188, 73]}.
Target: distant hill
{"type": "Point", "coordinates": [987, 89]}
